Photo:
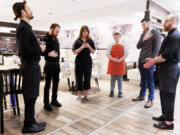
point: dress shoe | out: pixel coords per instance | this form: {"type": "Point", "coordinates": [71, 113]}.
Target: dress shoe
{"type": "Point", "coordinates": [32, 129]}
{"type": "Point", "coordinates": [139, 98]}
{"type": "Point", "coordinates": [120, 95]}
{"type": "Point", "coordinates": [48, 108]}
{"type": "Point", "coordinates": [160, 118]}
{"type": "Point", "coordinates": [148, 104]}
{"type": "Point", "coordinates": [111, 94]}
{"type": "Point", "coordinates": [43, 124]}
{"type": "Point", "coordinates": [163, 125]}
{"type": "Point", "coordinates": [56, 103]}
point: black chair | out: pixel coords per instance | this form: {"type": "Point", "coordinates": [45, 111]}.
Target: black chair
{"type": "Point", "coordinates": [10, 84]}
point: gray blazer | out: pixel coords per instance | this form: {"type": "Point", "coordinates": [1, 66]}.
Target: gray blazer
{"type": "Point", "coordinates": [150, 47]}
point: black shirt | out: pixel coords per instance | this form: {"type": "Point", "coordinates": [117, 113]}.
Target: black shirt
{"type": "Point", "coordinates": [51, 44]}
{"type": "Point", "coordinates": [170, 49]}
{"type": "Point", "coordinates": [85, 53]}
{"type": "Point", "coordinates": [29, 49]}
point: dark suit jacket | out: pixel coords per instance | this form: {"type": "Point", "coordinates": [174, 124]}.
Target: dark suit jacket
{"type": "Point", "coordinates": [150, 47]}
{"type": "Point", "coordinates": [168, 71]}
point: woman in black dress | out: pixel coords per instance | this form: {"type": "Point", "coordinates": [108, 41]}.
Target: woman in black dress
{"type": "Point", "coordinates": [83, 47]}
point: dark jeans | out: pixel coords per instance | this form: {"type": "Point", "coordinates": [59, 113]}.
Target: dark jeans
{"type": "Point", "coordinates": [29, 112]}
{"type": "Point", "coordinates": [52, 71]}
{"type": "Point", "coordinates": [147, 81]}
{"type": "Point", "coordinates": [167, 105]}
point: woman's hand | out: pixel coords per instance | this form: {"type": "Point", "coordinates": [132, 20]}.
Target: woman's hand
{"type": "Point", "coordinates": [86, 45]}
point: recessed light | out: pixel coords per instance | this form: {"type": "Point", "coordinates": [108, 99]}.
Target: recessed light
{"type": "Point", "coordinates": [51, 13]}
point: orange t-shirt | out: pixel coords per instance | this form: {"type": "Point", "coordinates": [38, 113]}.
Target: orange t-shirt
{"type": "Point", "coordinates": [116, 68]}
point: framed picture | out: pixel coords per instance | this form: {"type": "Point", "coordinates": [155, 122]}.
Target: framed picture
{"type": "Point", "coordinates": [1, 60]}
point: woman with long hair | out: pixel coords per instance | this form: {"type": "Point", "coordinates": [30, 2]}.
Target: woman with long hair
{"type": "Point", "coordinates": [83, 47]}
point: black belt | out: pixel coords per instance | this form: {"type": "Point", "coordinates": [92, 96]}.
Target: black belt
{"type": "Point", "coordinates": [26, 63]}
{"type": "Point", "coordinates": [48, 62]}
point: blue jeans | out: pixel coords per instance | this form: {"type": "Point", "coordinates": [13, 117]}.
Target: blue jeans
{"type": "Point", "coordinates": [147, 81]}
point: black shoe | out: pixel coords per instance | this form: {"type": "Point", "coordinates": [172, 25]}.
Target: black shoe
{"type": "Point", "coordinates": [160, 118]}
{"type": "Point", "coordinates": [43, 124]}
{"type": "Point", "coordinates": [111, 94]}
{"type": "Point", "coordinates": [120, 95]}
{"type": "Point", "coordinates": [163, 125]}
{"type": "Point", "coordinates": [48, 108]}
{"type": "Point", "coordinates": [32, 129]}
{"type": "Point", "coordinates": [56, 103]}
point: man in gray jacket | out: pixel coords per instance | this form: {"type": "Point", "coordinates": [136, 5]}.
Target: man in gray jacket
{"type": "Point", "coordinates": [149, 44]}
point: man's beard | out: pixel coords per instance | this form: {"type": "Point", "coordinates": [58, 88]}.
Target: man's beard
{"type": "Point", "coordinates": [32, 17]}
{"type": "Point", "coordinates": [167, 28]}
{"type": "Point", "coordinates": [147, 29]}
{"type": "Point", "coordinates": [54, 35]}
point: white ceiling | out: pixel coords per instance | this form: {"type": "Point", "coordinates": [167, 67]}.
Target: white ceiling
{"type": "Point", "coordinates": [82, 11]}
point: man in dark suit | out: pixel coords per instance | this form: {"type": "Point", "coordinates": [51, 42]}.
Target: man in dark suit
{"type": "Point", "coordinates": [29, 53]}
{"type": "Point", "coordinates": [168, 71]}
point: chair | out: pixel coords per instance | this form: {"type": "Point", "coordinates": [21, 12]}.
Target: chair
{"type": "Point", "coordinates": [10, 84]}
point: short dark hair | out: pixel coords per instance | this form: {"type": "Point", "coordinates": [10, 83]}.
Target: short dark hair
{"type": "Point", "coordinates": [17, 7]}
{"type": "Point", "coordinates": [146, 19]}
{"type": "Point", "coordinates": [54, 25]}
{"type": "Point", "coordinates": [116, 34]}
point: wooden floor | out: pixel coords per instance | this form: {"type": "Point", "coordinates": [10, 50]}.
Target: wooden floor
{"type": "Point", "coordinates": [100, 116]}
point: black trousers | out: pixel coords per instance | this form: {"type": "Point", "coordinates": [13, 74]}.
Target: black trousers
{"type": "Point", "coordinates": [83, 76]}
{"type": "Point", "coordinates": [31, 81]}
{"type": "Point", "coordinates": [167, 105]}
{"type": "Point", "coordinates": [52, 70]}
{"type": "Point", "coordinates": [29, 111]}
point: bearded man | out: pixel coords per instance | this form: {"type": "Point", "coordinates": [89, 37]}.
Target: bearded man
{"type": "Point", "coordinates": [168, 71]}
{"type": "Point", "coordinates": [52, 66]}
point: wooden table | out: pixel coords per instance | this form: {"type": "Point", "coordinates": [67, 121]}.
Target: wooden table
{"type": "Point", "coordinates": [4, 71]}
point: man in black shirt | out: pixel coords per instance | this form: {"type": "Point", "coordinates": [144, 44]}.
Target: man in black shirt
{"type": "Point", "coordinates": [52, 67]}
{"type": "Point", "coordinates": [168, 71]}
{"type": "Point", "coordinates": [29, 52]}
